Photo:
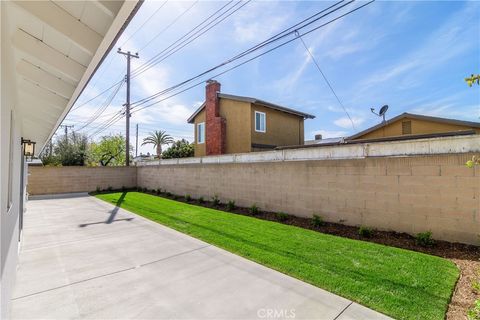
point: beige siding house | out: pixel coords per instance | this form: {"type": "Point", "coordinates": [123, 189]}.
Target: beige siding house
{"type": "Point", "coordinates": [227, 124]}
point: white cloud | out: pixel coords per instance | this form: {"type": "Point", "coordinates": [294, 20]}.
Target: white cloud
{"type": "Point", "coordinates": [347, 124]}
{"type": "Point", "coordinates": [170, 111]}
{"type": "Point", "coordinates": [446, 43]}
{"type": "Point", "coordinates": [289, 81]}
{"type": "Point", "coordinates": [259, 21]}
{"type": "Point", "coordinates": [345, 49]}
{"type": "Point", "coordinates": [165, 112]}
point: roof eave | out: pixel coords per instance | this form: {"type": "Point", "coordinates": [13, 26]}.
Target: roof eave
{"type": "Point", "coordinates": [128, 10]}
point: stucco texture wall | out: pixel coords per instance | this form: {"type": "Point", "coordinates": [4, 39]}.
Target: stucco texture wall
{"type": "Point", "coordinates": [418, 127]}
{"type": "Point", "coordinates": [237, 114]}
{"type": "Point", "coordinates": [200, 149]}
{"type": "Point", "coordinates": [405, 194]}
{"type": "Point", "coordinates": [51, 180]}
{"type": "Point", "coordinates": [238, 138]}
{"type": "Point", "coordinates": [282, 129]}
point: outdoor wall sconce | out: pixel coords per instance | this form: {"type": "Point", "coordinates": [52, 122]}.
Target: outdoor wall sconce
{"type": "Point", "coordinates": [28, 148]}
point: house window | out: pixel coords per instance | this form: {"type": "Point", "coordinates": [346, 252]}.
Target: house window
{"type": "Point", "coordinates": [201, 132]}
{"type": "Point", "coordinates": [406, 127]}
{"type": "Point", "coordinates": [260, 122]}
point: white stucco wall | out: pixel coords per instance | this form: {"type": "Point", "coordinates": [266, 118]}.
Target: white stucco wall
{"type": "Point", "coordinates": [9, 215]}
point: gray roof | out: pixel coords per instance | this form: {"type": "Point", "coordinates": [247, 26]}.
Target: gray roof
{"type": "Point", "coordinates": [419, 117]}
{"type": "Point", "coordinates": [255, 101]}
{"type": "Point", "coordinates": [325, 141]}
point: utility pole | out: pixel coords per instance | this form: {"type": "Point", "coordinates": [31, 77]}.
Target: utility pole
{"type": "Point", "coordinates": [136, 142]}
{"type": "Point", "coordinates": [127, 104]}
{"type": "Point", "coordinates": [66, 130]}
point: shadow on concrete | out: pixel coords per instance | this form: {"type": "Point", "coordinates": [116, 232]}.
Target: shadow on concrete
{"type": "Point", "coordinates": [113, 213]}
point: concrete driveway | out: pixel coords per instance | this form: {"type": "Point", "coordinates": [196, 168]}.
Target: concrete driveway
{"type": "Point", "coordinates": [83, 258]}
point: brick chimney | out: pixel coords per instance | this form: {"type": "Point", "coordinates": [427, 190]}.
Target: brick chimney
{"type": "Point", "coordinates": [215, 130]}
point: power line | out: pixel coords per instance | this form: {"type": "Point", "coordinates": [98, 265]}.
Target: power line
{"type": "Point", "coordinates": [108, 124]}
{"type": "Point", "coordinates": [98, 95]}
{"type": "Point", "coordinates": [169, 25]}
{"type": "Point", "coordinates": [244, 62]}
{"type": "Point", "coordinates": [103, 107]}
{"type": "Point", "coordinates": [175, 49]}
{"type": "Point", "coordinates": [144, 23]}
{"type": "Point", "coordinates": [83, 121]}
{"type": "Point", "coordinates": [326, 80]}
{"type": "Point", "coordinates": [275, 38]}
{"type": "Point", "coordinates": [189, 37]}
{"type": "Point", "coordinates": [111, 60]}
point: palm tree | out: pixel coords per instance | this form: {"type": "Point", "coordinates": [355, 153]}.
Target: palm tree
{"type": "Point", "coordinates": [158, 138]}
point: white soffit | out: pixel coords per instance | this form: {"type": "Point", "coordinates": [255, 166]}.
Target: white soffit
{"type": "Point", "coordinates": [57, 46]}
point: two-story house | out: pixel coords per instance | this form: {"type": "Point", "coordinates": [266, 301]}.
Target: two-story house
{"type": "Point", "coordinates": [227, 123]}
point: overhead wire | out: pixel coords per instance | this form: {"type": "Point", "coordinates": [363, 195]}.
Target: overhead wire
{"type": "Point", "coordinates": [169, 25]}
{"type": "Point", "coordinates": [144, 23]}
{"type": "Point", "coordinates": [326, 80]}
{"type": "Point", "coordinates": [115, 118]}
{"type": "Point", "coordinates": [103, 107]}
{"type": "Point", "coordinates": [264, 43]}
{"type": "Point", "coordinates": [295, 33]}
{"type": "Point", "coordinates": [120, 115]}
{"type": "Point", "coordinates": [183, 44]}
{"type": "Point", "coordinates": [136, 109]}
{"type": "Point", "coordinates": [98, 95]}
{"type": "Point", "coordinates": [190, 36]}
{"type": "Point", "coordinates": [111, 60]}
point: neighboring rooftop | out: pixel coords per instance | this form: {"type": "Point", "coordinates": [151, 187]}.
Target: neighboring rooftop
{"type": "Point", "coordinates": [255, 101]}
{"type": "Point", "coordinates": [417, 117]}
{"type": "Point", "coordinates": [327, 141]}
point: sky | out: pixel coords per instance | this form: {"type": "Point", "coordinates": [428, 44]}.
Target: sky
{"type": "Point", "coordinates": [410, 55]}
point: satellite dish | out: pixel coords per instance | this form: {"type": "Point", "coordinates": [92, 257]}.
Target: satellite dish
{"type": "Point", "coordinates": [383, 111]}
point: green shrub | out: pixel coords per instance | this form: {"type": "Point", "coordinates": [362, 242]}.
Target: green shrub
{"type": "Point", "coordinates": [175, 197]}
{"type": "Point", "coordinates": [201, 200]}
{"type": "Point", "coordinates": [159, 191]}
{"type": "Point", "coordinates": [317, 221]}
{"type": "Point", "coordinates": [124, 188]}
{"type": "Point", "coordinates": [231, 205]}
{"type": "Point", "coordinates": [474, 313]}
{"type": "Point", "coordinates": [139, 189]}
{"type": "Point", "coordinates": [109, 188]}
{"type": "Point", "coordinates": [97, 190]}
{"type": "Point", "coordinates": [168, 194]}
{"type": "Point", "coordinates": [215, 200]}
{"type": "Point", "coordinates": [145, 190]}
{"type": "Point", "coordinates": [365, 232]}
{"type": "Point", "coordinates": [476, 286]}
{"type": "Point", "coordinates": [188, 198]}
{"type": "Point", "coordinates": [424, 239]}
{"type": "Point", "coordinates": [254, 209]}
{"type": "Point", "coordinates": [281, 216]}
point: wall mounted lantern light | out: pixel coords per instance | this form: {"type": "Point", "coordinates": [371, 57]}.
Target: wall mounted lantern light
{"type": "Point", "coordinates": [28, 148]}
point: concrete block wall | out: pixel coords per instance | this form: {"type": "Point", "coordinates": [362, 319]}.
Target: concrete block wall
{"type": "Point", "coordinates": [51, 180]}
{"type": "Point", "coordinates": [405, 193]}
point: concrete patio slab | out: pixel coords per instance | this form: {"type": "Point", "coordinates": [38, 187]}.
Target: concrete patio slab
{"type": "Point", "coordinates": [84, 258]}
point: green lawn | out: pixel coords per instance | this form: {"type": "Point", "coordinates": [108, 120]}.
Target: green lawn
{"type": "Point", "coordinates": [400, 283]}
